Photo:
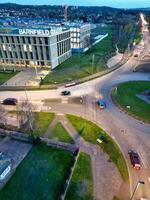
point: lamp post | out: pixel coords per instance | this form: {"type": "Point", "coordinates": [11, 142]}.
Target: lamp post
{"type": "Point", "coordinates": [136, 187]}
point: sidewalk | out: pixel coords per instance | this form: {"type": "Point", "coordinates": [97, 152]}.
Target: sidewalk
{"type": "Point", "coordinates": [27, 77]}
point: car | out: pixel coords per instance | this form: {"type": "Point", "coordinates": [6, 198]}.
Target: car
{"type": "Point", "coordinates": [65, 93]}
{"type": "Point", "coordinates": [101, 104]}
{"type": "Point", "coordinates": [135, 159]}
{"type": "Point", "coordinates": [10, 101]}
{"type": "Point", "coordinates": [136, 55]}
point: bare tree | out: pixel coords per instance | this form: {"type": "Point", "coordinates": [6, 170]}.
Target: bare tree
{"type": "Point", "coordinates": [3, 113]}
{"type": "Point", "coordinates": [24, 114]}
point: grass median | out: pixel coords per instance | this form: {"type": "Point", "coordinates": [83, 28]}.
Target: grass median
{"type": "Point", "coordinates": [126, 97]}
{"type": "Point", "coordinates": [91, 132]}
{"type": "Point", "coordinates": [81, 185]}
{"type": "Point", "coordinates": [41, 175]}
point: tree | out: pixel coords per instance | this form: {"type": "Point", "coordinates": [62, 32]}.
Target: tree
{"type": "Point", "coordinates": [3, 113]}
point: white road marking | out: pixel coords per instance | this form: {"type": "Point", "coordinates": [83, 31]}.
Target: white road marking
{"type": "Point", "coordinates": [142, 159]}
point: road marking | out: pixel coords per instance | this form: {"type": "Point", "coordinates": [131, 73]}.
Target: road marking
{"type": "Point", "coordinates": [142, 159]}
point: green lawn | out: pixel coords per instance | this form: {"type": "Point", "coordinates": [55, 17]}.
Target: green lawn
{"type": "Point", "coordinates": [61, 134]}
{"type": "Point", "coordinates": [116, 198]}
{"type": "Point", "coordinates": [126, 96]}
{"type": "Point", "coordinates": [81, 185]}
{"type": "Point", "coordinates": [5, 76]}
{"type": "Point", "coordinates": [40, 176]}
{"type": "Point", "coordinates": [80, 65]}
{"type": "Point", "coordinates": [40, 122]}
{"type": "Point", "coordinates": [91, 132]}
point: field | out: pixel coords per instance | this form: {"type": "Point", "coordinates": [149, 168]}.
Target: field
{"type": "Point", "coordinates": [91, 132]}
{"type": "Point", "coordinates": [126, 96]}
{"type": "Point", "coordinates": [5, 76]}
{"type": "Point", "coordinates": [80, 65]}
{"type": "Point", "coordinates": [81, 185]}
{"type": "Point", "coordinates": [41, 175]}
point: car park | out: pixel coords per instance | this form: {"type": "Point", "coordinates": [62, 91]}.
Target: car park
{"type": "Point", "coordinates": [65, 93]}
{"type": "Point", "coordinates": [10, 101]}
{"type": "Point", "coordinates": [135, 159]}
{"type": "Point", "coordinates": [101, 104]}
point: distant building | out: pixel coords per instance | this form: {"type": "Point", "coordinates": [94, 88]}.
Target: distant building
{"type": "Point", "coordinates": [5, 166]}
{"type": "Point", "coordinates": [80, 36]}
{"type": "Point", "coordinates": [34, 47]}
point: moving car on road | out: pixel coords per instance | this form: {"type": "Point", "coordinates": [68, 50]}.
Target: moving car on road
{"type": "Point", "coordinates": [65, 93]}
{"type": "Point", "coordinates": [101, 104]}
{"type": "Point", "coordinates": [10, 101]}
{"type": "Point", "coordinates": [135, 160]}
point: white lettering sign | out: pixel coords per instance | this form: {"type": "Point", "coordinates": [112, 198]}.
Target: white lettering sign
{"type": "Point", "coordinates": [34, 32]}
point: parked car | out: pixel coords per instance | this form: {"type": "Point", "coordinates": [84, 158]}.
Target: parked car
{"type": "Point", "coordinates": [135, 159]}
{"type": "Point", "coordinates": [101, 104]}
{"type": "Point", "coordinates": [10, 101]}
{"type": "Point", "coordinates": [65, 93]}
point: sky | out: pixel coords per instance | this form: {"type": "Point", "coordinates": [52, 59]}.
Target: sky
{"type": "Point", "coordinates": [112, 3]}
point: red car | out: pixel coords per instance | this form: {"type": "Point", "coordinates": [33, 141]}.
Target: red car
{"type": "Point", "coordinates": [135, 159]}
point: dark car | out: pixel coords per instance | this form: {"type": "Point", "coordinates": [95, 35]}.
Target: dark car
{"type": "Point", "coordinates": [101, 104]}
{"type": "Point", "coordinates": [135, 160]}
{"type": "Point", "coordinates": [65, 93]}
{"type": "Point", "coordinates": [10, 101]}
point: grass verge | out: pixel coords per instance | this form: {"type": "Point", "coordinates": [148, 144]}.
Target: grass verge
{"type": "Point", "coordinates": [116, 198]}
{"type": "Point", "coordinates": [125, 96]}
{"type": "Point", "coordinates": [91, 132]}
{"type": "Point", "coordinates": [61, 134]}
{"type": "Point", "coordinates": [81, 185]}
{"type": "Point", "coordinates": [5, 76]}
{"type": "Point", "coordinates": [41, 175]}
{"type": "Point", "coordinates": [40, 122]}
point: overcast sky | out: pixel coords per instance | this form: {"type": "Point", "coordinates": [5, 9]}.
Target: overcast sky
{"type": "Point", "coordinates": [113, 3]}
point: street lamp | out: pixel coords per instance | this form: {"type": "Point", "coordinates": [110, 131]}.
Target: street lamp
{"type": "Point", "coordinates": [136, 187]}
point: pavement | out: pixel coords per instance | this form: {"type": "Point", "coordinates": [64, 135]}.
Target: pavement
{"type": "Point", "coordinates": [16, 151]}
{"type": "Point", "coordinates": [114, 60]}
{"type": "Point", "coordinates": [27, 77]}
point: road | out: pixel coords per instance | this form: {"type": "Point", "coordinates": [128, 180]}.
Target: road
{"type": "Point", "coordinates": [128, 132]}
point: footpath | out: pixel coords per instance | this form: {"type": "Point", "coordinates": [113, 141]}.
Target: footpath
{"type": "Point", "coordinates": [105, 174]}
